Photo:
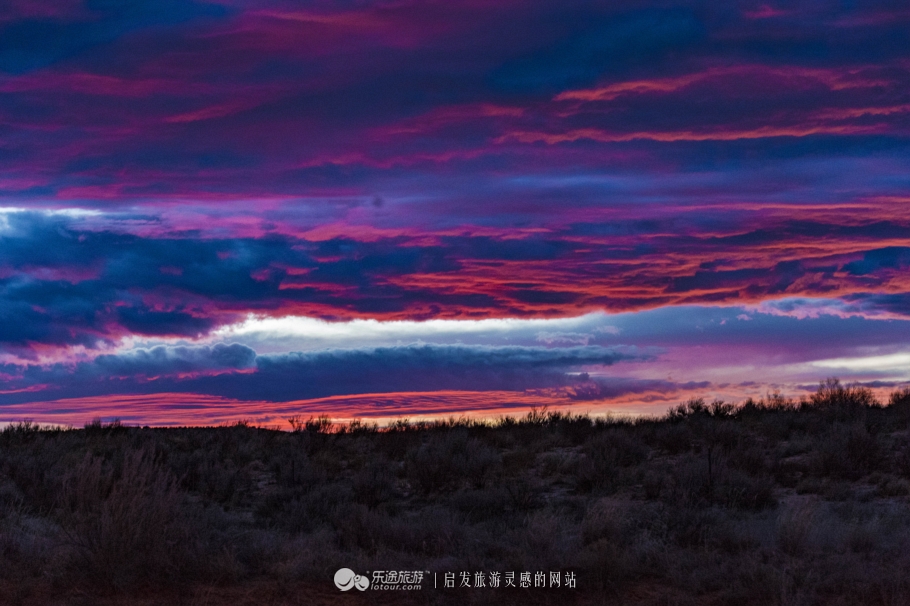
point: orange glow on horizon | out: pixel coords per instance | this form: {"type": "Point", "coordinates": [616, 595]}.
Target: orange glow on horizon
{"type": "Point", "coordinates": [186, 409]}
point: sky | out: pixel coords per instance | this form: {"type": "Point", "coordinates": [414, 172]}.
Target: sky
{"type": "Point", "coordinates": [213, 211]}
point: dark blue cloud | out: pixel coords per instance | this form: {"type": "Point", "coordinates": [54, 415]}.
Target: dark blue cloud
{"type": "Point", "coordinates": [798, 330]}
{"type": "Point", "coordinates": [33, 43]}
{"type": "Point", "coordinates": [890, 258]}
{"type": "Point", "coordinates": [612, 387]}
{"type": "Point", "coordinates": [168, 361]}
{"type": "Point", "coordinates": [594, 46]}
{"type": "Point", "coordinates": [894, 303]}
{"type": "Point", "coordinates": [315, 374]}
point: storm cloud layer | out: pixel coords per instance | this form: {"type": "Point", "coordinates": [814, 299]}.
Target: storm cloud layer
{"type": "Point", "coordinates": [65, 283]}
{"type": "Point", "coordinates": [236, 371]}
{"type": "Point", "coordinates": [173, 171]}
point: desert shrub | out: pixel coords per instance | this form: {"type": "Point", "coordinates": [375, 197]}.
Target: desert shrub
{"type": "Point", "coordinates": [307, 509]}
{"type": "Point", "coordinates": [481, 462]}
{"type": "Point", "coordinates": [432, 531]}
{"type": "Point", "coordinates": [125, 522]}
{"type": "Point", "coordinates": [539, 416]}
{"type": "Point", "coordinates": [606, 565]}
{"type": "Point", "coordinates": [358, 427]}
{"type": "Point", "coordinates": [848, 451]}
{"type": "Point", "coordinates": [604, 454]}
{"type": "Point", "coordinates": [295, 469]}
{"type": "Point", "coordinates": [843, 402]}
{"type": "Point", "coordinates": [448, 460]}
{"type": "Point", "coordinates": [698, 408]}
{"type": "Point", "coordinates": [687, 525]}
{"type": "Point", "coordinates": [693, 483]}
{"type": "Point", "coordinates": [774, 417]}
{"type": "Point", "coordinates": [606, 518]}
{"type": "Point", "coordinates": [619, 445]}
{"type": "Point", "coordinates": [690, 408]}
{"type": "Point", "coordinates": [595, 475]}
{"type": "Point", "coordinates": [725, 434]}
{"type": "Point", "coordinates": [98, 428]}
{"type": "Point", "coordinates": [312, 557]}
{"type": "Point", "coordinates": [673, 438]}
{"type": "Point", "coordinates": [738, 490]}
{"type": "Point", "coordinates": [575, 428]}
{"type": "Point", "coordinates": [795, 526]}
{"type": "Point", "coordinates": [548, 539]}
{"type": "Point", "coordinates": [899, 406]}
{"type": "Point", "coordinates": [26, 542]}
{"type": "Point", "coordinates": [435, 531]}
{"type": "Point", "coordinates": [690, 482]}
{"type": "Point", "coordinates": [890, 486]}
{"type": "Point", "coordinates": [320, 424]}
{"type": "Point", "coordinates": [33, 464]}
{"type": "Point", "coordinates": [556, 464]}
{"type": "Point", "coordinates": [901, 457]}
{"type": "Point", "coordinates": [212, 478]}
{"type": "Point", "coordinates": [488, 503]}
{"type": "Point", "coordinates": [655, 482]}
{"type": "Point", "coordinates": [750, 459]}
{"type": "Point", "coordinates": [374, 483]}
{"type": "Point", "coordinates": [771, 403]}
{"type": "Point", "coordinates": [23, 432]}
{"type": "Point", "coordinates": [523, 490]}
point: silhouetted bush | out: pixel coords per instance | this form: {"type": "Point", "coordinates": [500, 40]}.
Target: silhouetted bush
{"type": "Point", "coordinates": [899, 406]}
{"type": "Point", "coordinates": [843, 401]}
{"type": "Point", "coordinates": [445, 461]}
{"type": "Point", "coordinates": [848, 451]}
{"type": "Point", "coordinates": [125, 522]}
{"type": "Point", "coordinates": [374, 483]}
{"type": "Point", "coordinates": [605, 454]}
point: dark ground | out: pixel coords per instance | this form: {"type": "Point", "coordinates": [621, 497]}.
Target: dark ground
{"type": "Point", "coordinates": [769, 502]}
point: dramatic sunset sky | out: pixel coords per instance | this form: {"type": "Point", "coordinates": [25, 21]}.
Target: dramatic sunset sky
{"type": "Point", "coordinates": [213, 211]}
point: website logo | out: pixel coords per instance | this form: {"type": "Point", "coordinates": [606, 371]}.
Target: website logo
{"type": "Point", "coordinates": [346, 578]}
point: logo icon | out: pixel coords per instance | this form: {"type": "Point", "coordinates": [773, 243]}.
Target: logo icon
{"type": "Point", "coordinates": [346, 578]}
